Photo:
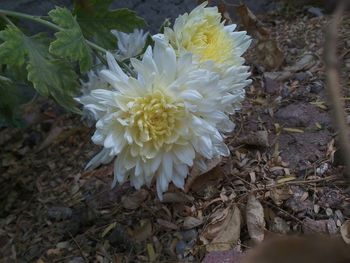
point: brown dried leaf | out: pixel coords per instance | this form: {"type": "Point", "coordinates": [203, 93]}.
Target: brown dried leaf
{"type": "Point", "coordinates": [51, 137]}
{"type": "Point", "coordinates": [345, 231]}
{"type": "Point", "coordinates": [258, 139]}
{"type": "Point", "coordinates": [269, 54]}
{"type": "Point", "coordinates": [252, 24]}
{"type": "Point", "coordinates": [307, 61]}
{"type": "Point", "coordinates": [267, 50]}
{"type": "Point", "coordinates": [225, 16]}
{"type": "Point", "coordinates": [224, 231]}
{"type": "Point", "coordinates": [144, 231]}
{"type": "Point", "coordinates": [59, 213]}
{"type": "Point", "coordinates": [205, 176]}
{"type": "Point", "coordinates": [255, 219]}
{"type": "Point", "coordinates": [215, 222]}
{"type": "Point", "coordinates": [167, 224]}
{"type": "Point", "coordinates": [134, 200]}
{"type": "Point", "coordinates": [192, 222]}
{"type": "Point", "coordinates": [280, 194]}
{"type": "Point", "coordinates": [177, 197]}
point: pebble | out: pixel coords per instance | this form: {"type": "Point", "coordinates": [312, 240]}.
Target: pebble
{"type": "Point", "coordinates": [315, 11]}
{"type": "Point", "coordinates": [322, 169]}
{"type": "Point", "coordinates": [180, 247]}
{"type": "Point", "coordinates": [316, 87]}
{"type": "Point", "coordinates": [189, 235]}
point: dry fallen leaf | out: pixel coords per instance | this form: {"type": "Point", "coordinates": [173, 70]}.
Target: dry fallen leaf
{"type": "Point", "coordinates": [196, 172]}
{"type": "Point", "coordinates": [177, 197]}
{"type": "Point", "coordinates": [305, 62]}
{"type": "Point", "coordinates": [255, 219]}
{"type": "Point", "coordinates": [143, 232]}
{"type": "Point", "coordinates": [166, 224]}
{"type": "Point", "coordinates": [134, 200]}
{"type": "Point", "coordinates": [225, 232]}
{"type": "Point", "coordinates": [267, 50]}
{"type": "Point", "coordinates": [269, 53]}
{"type": "Point", "coordinates": [345, 231]}
{"type": "Point", "coordinates": [258, 139]}
{"type": "Point", "coordinates": [280, 194]}
{"type": "Point", "coordinates": [191, 222]}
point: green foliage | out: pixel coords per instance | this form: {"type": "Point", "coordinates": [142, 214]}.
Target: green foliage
{"type": "Point", "coordinates": [46, 64]}
{"type": "Point", "coordinates": [96, 21]}
{"type": "Point", "coordinates": [9, 102]}
{"type": "Point", "coordinates": [49, 75]}
{"type": "Point", "coordinates": [13, 50]}
{"type": "Point", "coordinates": [70, 42]}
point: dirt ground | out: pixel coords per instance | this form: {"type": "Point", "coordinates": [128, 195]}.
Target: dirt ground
{"type": "Point", "coordinates": [283, 153]}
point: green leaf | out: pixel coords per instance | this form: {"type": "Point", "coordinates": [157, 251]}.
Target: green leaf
{"type": "Point", "coordinates": [96, 21]}
{"type": "Point", "coordinates": [70, 42]}
{"type": "Point", "coordinates": [13, 50]}
{"type": "Point", "coordinates": [9, 102]}
{"type": "Point", "coordinates": [49, 75]}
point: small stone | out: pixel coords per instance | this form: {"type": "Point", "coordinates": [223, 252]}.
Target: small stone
{"type": "Point", "coordinates": [285, 92]}
{"type": "Point", "coordinates": [329, 212]}
{"type": "Point", "coordinates": [180, 247]}
{"type": "Point", "coordinates": [339, 214]}
{"type": "Point", "coordinates": [271, 86]}
{"type": "Point", "coordinates": [316, 208]}
{"type": "Point", "coordinates": [316, 87]}
{"type": "Point", "coordinates": [315, 11]}
{"type": "Point", "coordinates": [279, 225]}
{"type": "Point", "coordinates": [189, 235]}
{"type": "Point", "coordinates": [322, 169]}
{"type": "Point", "coordinates": [301, 76]}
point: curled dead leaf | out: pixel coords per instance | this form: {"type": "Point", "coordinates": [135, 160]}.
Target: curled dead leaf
{"type": "Point", "coordinates": [135, 199]}
{"type": "Point", "coordinates": [280, 194]}
{"type": "Point", "coordinates": [258, 139]}
{"type": "Point", "coordinates": [177, 197]}
{"type": "Point", "coordinates": [142, 232]}
{"type": "Point", "coordinates": [224, 230]}
{"type": "Point", "coordinates": [267, 51]}
{"type": "Point", "coordinates": [192, 222]}
{"type": "Point", "coordinates": [345, 231]}
{"type": "Point", "coordinates": [255, 219]}
{"type": "Point", "coordinates": [196, 172]}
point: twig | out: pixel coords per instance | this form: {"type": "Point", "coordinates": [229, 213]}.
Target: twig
{"type": "Point", "coordinates": [333, 87]}
{"type": "Point", "coordinates": [80, 250]}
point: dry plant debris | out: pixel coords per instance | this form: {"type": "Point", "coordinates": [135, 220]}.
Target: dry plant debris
{"type": "Point", "coordinates": [284, 175]}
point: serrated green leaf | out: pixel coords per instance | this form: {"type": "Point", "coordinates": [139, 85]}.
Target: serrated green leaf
{"type": "Point", "coordinates": [49, 75]}
{"type": "Point", "coordinates": [70, 42]}
{"type": "Point", "coordinates": [12, 50]}
{"type": "Point", "coordinates": [96, 21]}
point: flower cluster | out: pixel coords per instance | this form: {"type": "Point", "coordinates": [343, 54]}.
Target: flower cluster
{"type": "Point", "coordinates": [173, 113]}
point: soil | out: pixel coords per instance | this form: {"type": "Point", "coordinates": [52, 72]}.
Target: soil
{"type": "Point", "coordinates": [52, 210]}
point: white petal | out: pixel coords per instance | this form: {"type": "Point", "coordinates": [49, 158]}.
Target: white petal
{"type": "Point", "coordinates": [185, 153]}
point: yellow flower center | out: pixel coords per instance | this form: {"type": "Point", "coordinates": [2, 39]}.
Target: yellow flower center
{"type": "Point", "coordinates": [211, 42]}
{"type": "Point", "coordinates": [154, 117]}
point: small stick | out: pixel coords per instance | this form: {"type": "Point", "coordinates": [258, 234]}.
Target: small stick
{"type": "Point", "coordinates": [334, 89]}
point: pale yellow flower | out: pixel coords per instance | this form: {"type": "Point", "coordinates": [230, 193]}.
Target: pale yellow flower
{"type": "Point", "coordinates": [202, 33]}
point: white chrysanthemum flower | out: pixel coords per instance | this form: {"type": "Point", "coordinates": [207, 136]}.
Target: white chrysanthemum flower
{"type": "Point", "coordinates": [202, 33]}
{"type": "Point", "coordinates": [158, 123]}
{"type": "Point", "coordinates": [129, 45]}
{"type": "Point", "coordinates": [91, 113]}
